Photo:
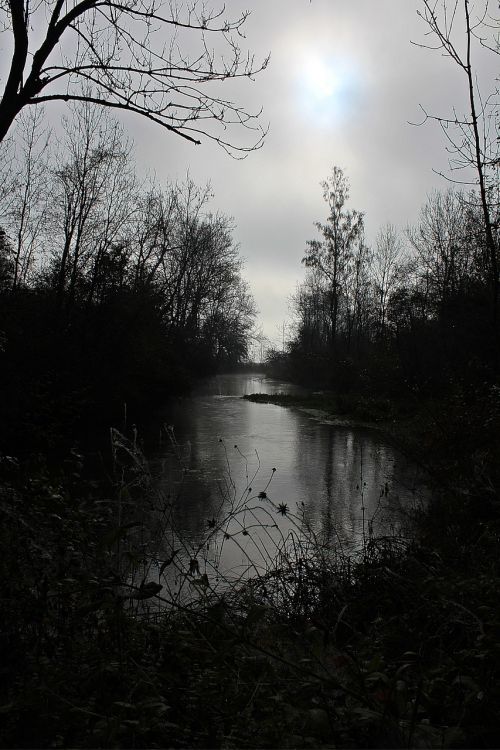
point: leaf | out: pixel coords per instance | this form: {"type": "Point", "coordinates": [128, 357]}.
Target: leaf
{"type": "Point", "coordinates": [375, 664]}
{"type": "Point", "coordinates": [157, 706]}
{"type": "Point", "coordinates": [466, 682]}
{"type": "Point", "coordinates": [365, 714]}
{"type": "Point", "coordinates": [169, 561]}
{"type": "Point", "coordinates": [92, 607]}
{"type": "Point", "coordinates": [144, 592]}
{"type": "Point", "coordinates": [377, 677]}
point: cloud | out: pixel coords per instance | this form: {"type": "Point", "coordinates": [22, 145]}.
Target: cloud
{"type": "Point", "coordinates": [363, 126]}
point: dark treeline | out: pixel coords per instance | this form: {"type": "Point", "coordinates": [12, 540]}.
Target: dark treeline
{"type": "Point", "coordinates": [415, 314]}
{"type": "Point", "coordinates": [112, 292]}
{"type": "Point", "coordinates": [408, 330]}
{"type": "Point", "coordinates": [115, 294]}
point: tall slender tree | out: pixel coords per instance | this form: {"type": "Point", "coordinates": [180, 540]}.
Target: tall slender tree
{"type": "Point", "coordinates": [385, 269]}
{"type": "Point", "coordinates": [460, 30]}
{"type": "Point", "coordinates": [332, 254]}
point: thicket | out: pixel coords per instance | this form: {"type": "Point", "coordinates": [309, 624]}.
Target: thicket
{"type": "Point", "coordinates": [407, 335]}
{"type": "Point", "coordinates": [119, 632]}
{"type": "Point", "coordinates": [415, 314]}
{"type": "Point", "coordinates": [407, 330]}
{"type": "Point", "coordinates": [113, 293]}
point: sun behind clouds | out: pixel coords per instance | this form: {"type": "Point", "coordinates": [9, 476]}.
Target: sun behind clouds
{"type": "Point", "coordinates": [326, 86]}
{"type": "Point", "coordinates": [320, 78]}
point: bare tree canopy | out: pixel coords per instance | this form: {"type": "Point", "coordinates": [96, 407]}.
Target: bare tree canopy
{"type": "Point", "coordinates": [162, 60]}
{"type": "Point", "coordinates": [473, 138]}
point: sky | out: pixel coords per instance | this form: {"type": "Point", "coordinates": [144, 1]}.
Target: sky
{"type": "Point", "coordinates": [343, 86]}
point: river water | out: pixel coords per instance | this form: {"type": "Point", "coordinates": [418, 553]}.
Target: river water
{"type": "Point", "coordinates": [340, 484]}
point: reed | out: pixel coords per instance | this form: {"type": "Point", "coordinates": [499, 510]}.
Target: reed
{"type": "Point", "coordinates": [117, 631]}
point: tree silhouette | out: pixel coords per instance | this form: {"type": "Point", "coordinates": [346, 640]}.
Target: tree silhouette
{"type": "Point", "coordinates": [162, 60]}
{"type": "Point", "coordinates": [332, 254]}
{"type": "Point", "coordinates": [458, 30]}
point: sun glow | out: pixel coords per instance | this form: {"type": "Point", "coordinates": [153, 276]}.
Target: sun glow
{"type": "Point", "coordinates": [326, 88]}
{"type": "Point", "coordinates": [320, 78]}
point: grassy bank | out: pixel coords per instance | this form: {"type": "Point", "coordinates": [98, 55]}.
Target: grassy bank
{"type": "Point", "coordinates": [335, 406]}
{"type": "Point", "coordinates": [397, 647]}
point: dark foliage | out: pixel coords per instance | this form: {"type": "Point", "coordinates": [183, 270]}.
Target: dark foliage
{"type": "Point", "coordinates": [414, 321]}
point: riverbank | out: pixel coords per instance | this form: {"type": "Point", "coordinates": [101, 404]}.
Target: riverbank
{"type": "Point", "coordinates": [336, 408]}
{"type": "Point", "coordinates": [454, 436]}
{"type": "Point", "coordinates": [396, 421]}
{"type": "Point", "coordinates": [396, 647]}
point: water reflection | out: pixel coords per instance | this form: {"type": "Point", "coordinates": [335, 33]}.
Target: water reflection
{"type": "Point", "coordinates": [347, 481]}
{"type": "Point", "coordinates": [237, 384]}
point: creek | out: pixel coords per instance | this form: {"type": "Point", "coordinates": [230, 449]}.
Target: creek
{"type": "Point", "coordinates": [243, 479]}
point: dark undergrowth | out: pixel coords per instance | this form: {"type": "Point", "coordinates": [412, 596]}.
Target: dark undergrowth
{"type": "Point", "coordinates": [396, 646]}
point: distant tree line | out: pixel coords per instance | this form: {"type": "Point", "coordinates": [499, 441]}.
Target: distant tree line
{"type": "Point", "coordinates": [416, 311]}
{"type": "Point", "coordinates": [113, 291]}
{"type": "Point", "coordinates": [419, 310]}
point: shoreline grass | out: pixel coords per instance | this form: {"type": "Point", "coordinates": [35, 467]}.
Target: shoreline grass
{"type": "Point", "coordinates": [350, 408]}
{"type": "Point", "coordinates": [398, 647]}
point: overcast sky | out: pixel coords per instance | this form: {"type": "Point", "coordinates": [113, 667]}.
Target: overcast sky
{"type": "Point", "coordinates": [343, 84]}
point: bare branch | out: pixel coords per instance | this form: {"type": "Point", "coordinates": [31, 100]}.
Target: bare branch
{"type": "Point", "coordinates": [134, 56]}
{"type": "Point", "coordinates": [469, 143]}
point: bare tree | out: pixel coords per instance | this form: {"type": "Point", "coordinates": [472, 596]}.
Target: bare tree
{"type": "Point", "coordinates": [385, 270]}
{"type": "Point", "coordinates": [311, 305]}
{"type": "Point", "coordinates": [460, 28]}
{"type": "Point", "coordinates": [161, 59]}
{"type": "Point", "coordinates": [154, 233]}
{"type": "Point", "coordinates": [27, 204]}
{"type": "Point", "coordinates": [6, 268]}
{"type": "Point", "coordinates": [446, 259]}
{"type": "Point", "coordinates": [358, 291]}
{"type": "Point", "coordinates": [259, 342]}
{"type": "Point", "coordinates": [332, 255]}
{"type": "Point", "coordinates": [92, 199]}
{"type": "Point", "coordinates": [7, 172]}
{"type": "Point", "coordinates": [186, 258]}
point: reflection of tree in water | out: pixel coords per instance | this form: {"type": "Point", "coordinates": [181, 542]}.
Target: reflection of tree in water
{"type": "Point", "coordinates": [353, 493]}
{"type": "Point", "coordinates": [190, 489]}
{"type": "Point", "coordinates": [325, 471]}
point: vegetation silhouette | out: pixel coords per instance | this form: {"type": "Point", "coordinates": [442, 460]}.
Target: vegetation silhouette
{"type": "Point", "coordinates": [120, 294]}
{"type": "Point", "coordinates": [117, 631]}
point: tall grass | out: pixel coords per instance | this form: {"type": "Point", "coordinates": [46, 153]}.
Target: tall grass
{"type": "Point", "coordinates": [118, 631]}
